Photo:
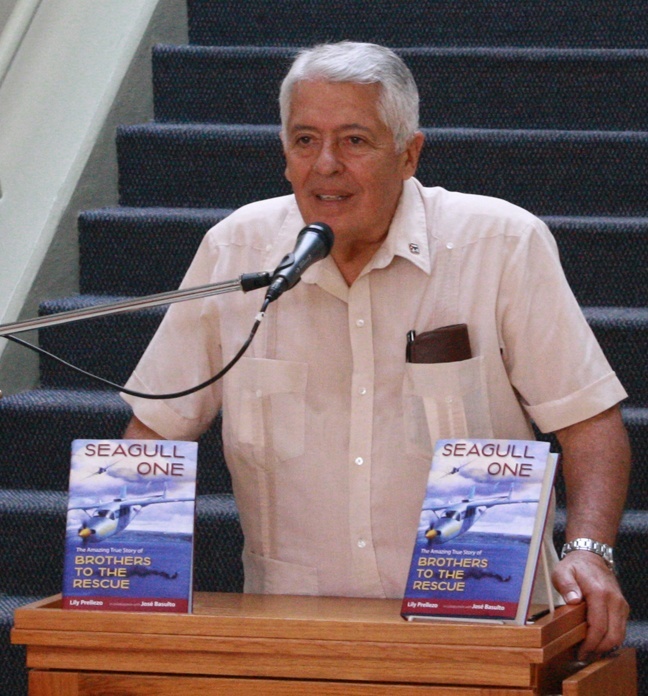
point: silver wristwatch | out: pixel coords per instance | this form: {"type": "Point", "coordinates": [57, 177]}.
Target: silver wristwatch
{"type": "Point", "coordinates": [583, 544]}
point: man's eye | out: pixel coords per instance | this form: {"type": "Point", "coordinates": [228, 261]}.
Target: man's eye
{"type": "Point", "coordinates": [304, 140]}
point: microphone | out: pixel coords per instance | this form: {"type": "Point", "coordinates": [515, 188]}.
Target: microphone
{"type": "Point", "coordinates": [313, 244]}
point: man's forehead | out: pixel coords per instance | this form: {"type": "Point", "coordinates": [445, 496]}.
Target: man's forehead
{"type": "Point", "coordinates": [313, 101]}
{"type": "Point", "coordinates": [312, 89]}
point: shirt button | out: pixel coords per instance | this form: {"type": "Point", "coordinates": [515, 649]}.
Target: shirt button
{"type": "Point", "coordinates": [360, 323]}
{"type": "Point", "coordinates": [359, 461]}
{"type": "Point", "coordinates": [259, 393]}
{"type": "Point", "coordinates": [361, 543]}
{"type": "Point", "coordinates": [362, 391]}
{"type": "Point", "coordinates": [449, 245]}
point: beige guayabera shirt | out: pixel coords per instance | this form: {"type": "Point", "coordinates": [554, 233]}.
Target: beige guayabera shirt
{"type": "Point", "coordinates": [328, 431]}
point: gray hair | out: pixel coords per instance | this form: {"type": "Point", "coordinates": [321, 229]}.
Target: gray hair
{"type": "Point", "coordinates": [360, 63]}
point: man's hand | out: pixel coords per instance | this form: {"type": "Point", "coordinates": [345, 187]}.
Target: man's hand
{"type": "Point", "coordinates": [582, 575]}
{"type": "Point", "coordinates": [136, 430]}
{"type": "Point", "coordinates": [596, 466]}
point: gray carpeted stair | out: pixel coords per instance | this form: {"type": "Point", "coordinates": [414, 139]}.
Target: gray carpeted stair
{"type": "Point", "coordinates": [544, 88]}
{"type": "Point", "coordinates": [557, 23]}
{"type": "Point", "coordinates": [540, 102]}
{"type": "Point", "coordinates": [552, 172]}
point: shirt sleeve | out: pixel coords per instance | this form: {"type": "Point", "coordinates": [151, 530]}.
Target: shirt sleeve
{"type": "Point", "coordinates": [552, 356]}
{"type": "Point", "coordinates": [184, 352]}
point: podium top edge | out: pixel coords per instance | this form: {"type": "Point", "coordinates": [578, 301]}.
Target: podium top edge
{"type": "Point", "coordinates": [296, 617]}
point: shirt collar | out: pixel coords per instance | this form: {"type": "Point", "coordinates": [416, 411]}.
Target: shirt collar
{"type": "Point", "coordinates": [407, 235]}
{"type": "Point", "coordinates": [407, 238]}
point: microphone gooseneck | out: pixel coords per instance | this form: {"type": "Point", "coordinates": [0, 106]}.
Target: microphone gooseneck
{"type": "Point", "coordinates": [313, 244]}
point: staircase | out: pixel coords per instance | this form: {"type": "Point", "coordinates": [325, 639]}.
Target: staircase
{"type": "Point", "coordinates": [540, 102]}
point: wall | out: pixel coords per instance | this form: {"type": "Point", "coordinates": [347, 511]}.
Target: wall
{"type": "Point", "coordinates": [82, 69]}
{"type": "Point", "coordinates": [6, 7]}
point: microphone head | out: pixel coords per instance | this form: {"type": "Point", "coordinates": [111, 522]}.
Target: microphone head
{"type": "Point", "coordinates": [308, 250]}
{"type": "Point", "coordinates": [324, 232]}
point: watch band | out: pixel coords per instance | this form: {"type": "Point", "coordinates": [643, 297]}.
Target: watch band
{"type": "Point", "coordinates": [605, 551]}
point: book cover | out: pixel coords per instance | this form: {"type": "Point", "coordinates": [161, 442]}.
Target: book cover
{"type": "Point", "coordinates": [130, 526]}
{"type": "Point", "coordinates": [480, 530]}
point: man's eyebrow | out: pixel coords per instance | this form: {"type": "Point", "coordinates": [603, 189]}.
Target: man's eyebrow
{"type": "Point", "coordinates": [345, 127]}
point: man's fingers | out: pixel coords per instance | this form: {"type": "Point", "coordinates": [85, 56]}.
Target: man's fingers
{"type": "Point", "coordinates": [582, 575]}
{"type": "Point", "coordinates": [564, 580]}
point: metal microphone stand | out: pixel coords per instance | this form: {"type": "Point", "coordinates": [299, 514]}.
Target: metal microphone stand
{"type": "Point", "coordinates": [245, 283]}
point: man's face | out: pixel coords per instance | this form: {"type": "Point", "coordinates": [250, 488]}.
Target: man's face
{"type": "Point", "coordinates": [341, 159]}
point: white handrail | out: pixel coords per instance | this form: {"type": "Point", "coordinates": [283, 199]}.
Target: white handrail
{"type": "Point", "coordinates": [14, 32]}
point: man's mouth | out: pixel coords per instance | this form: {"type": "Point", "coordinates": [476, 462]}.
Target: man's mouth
{"type": "Point", "coordinates": [330, 197]}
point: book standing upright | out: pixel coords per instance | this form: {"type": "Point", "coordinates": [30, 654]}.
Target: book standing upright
{"type": "Point", "coordinates": [130, 526]}
{"type": "Point", "coordinates": [480, 532]}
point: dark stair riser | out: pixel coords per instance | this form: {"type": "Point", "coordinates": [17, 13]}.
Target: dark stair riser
{"type": "Point", "coordinates": [605, 259]}
{"type": "Point", "coordinates": [419, 22]}
{"type": "Point", "coordinates": [636, 422]}
{"type": "Point", "coordinates": [169, 238]}
{"type": "Point", "coordinates": [12, 657]}
{"type": "Point", "coordinates": [31, 547]}
{"type": "Point", "coordinates": [37, 429]}
{"type": "Point", "coordinates": [547, 172]}
{"type": "Point", "coordinates": [470, 88]}
{"type": "Point", "coordinates": [111, 346]}
{"type": "Point", "coordinates": [630, 556]}
{"type": "Point", "coordinates": [37, 568]}
{"type": "Point", "coordinates": [623, 336]}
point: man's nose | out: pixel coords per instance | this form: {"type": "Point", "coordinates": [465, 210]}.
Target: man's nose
{"type": "Point", "coordinates": [328, 160]}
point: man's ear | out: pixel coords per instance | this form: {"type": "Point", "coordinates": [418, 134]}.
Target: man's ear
{"type": "Point", "coordinates": [412, 154]}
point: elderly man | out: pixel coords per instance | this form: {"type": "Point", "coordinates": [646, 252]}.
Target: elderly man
{"type": "Point", "coordinates": [324, 428]}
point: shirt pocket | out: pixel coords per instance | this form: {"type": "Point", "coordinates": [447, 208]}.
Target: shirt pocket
{"type": "Point", "coordinates": [265, 407]}
{"type": "Point", "coordinates": [445, 400]}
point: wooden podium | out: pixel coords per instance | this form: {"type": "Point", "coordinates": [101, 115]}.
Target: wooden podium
{"type": "Point", "coordinates": [300, 646]}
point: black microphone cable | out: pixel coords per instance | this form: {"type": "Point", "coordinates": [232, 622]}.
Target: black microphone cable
{"type": "Point", "coordinates": [314, 243]}
{"type": "Point", "coordinates": [131, 392]}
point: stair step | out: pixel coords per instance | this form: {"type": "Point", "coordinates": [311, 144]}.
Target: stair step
{"type": "Point", "coordinates": [420, 22]}
{"type": "Point", "coordinates": [109, 346]}
{"type": "Point", "coordinates": [637, 637]}
{"type": "Point", "coordinates": [547, 172]}
{"type": "Point", "coordinates": [592, 249]}
{"type": "Point", "coordinates": [149, 249]}
{"type": "Point", "coordinates": [630, 554]}
{"type": "Point", "coordinates": [219, 544]}
{"type": "Point", "coordinates": [37, 429]}
{"type": "Point", "coordinates": [37, 568]}
{"type": "Point", "coordinates": [605, 259]}
{"type": "Point", "coordinates": [12, 657]}
{"type": "Point", "coordinates": [636, 422]}
{"type": "Point", "coordinates": [623, 334]}
{"type": "Point", "coordinates": [631, 547]}
{"type": "Point", "coordinates": [570, 89]}
{"type": "Point", "coordinates": [196, 166]}
{"type": "Point", "coordinates": [31, 544]}
{"type": "Point", "coordinates": [41, 514]}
